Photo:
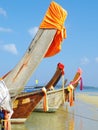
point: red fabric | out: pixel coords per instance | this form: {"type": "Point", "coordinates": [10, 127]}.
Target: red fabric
{"type": "Point", "coordinates": [61, 66]}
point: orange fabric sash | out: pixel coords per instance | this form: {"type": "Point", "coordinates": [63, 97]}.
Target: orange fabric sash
{"type": "Point", "coordinates": [6, 122]}
{"type": "Point", "coordinates": [54, 19]}
{"type": "Point", "coordinates": [45, 101]}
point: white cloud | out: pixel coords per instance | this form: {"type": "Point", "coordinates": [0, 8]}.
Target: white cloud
{"type": "Point", "coordinates": [96, 59]}
{"type": "Point", "coordinates": [5, 29]}
{"type": "Point", "coordinates": [3, 12]}
{"type": "Point", "coordinates": [84, 61]}
{"type": "Point", "coordinates": [33, 31]}
{"type": "Point", "coordinates": [10, 48]}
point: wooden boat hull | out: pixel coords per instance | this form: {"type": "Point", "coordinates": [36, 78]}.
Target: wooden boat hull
{"type": "Point", "coordinates": [46, 43]}
{"type": "Point", "coordinates": [57, 97]}
{"type": "Point", "coordinates": [22, 72]}
{"type": "Point", "coordinates": [25, 103]}
{"type": "Point", "coordinates": [29, 102]}
{"type": "Point", "coordinates": [54, 99]}
{"type": "Point", "coordinates": [45, 39]}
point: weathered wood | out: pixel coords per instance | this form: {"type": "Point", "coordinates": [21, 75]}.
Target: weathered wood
{"type": "Point", "coordinates": [55, 99]}
{"type": "Point", "coordinates": [21, 73]}
{"type": "Point", "coordinates": [26, 102]}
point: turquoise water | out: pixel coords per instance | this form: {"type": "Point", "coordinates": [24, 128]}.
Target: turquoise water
{"type": "Point", "coordinates": [87, 89]}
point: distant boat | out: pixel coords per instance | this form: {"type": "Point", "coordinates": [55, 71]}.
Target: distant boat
{"type": "Point", "coordinates": [25, 103]}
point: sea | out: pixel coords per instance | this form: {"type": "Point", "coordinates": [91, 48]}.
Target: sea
{"type": "Point", "coordinates": [82, 116]}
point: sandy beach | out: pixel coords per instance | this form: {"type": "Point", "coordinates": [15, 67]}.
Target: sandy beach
{"type": "Point", "coordinates": [88, 97]}
{"type": "Point", "coordinates": [86, 111]}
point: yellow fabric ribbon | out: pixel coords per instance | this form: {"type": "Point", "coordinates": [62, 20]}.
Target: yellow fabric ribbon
{"type": "Point", "coordinates": [70, 89]}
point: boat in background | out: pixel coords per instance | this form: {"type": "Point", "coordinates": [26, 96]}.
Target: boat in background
{"type": "Point", "coordinates": [50, 101]}
{"type": "Point", "coordinates": [56, 97]}
{"type": "Point", "coordinates": [25, 103]}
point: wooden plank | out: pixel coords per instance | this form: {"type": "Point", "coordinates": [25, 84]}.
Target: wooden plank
{"type": "Point", "coordinates": [55, 99]}
{"type": "Point", "coordinates": [26, 102]}
{"type": "Point", "coordinates": [21, 73]}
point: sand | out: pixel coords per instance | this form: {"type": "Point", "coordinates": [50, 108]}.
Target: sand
{"type": "Point", "coordinates": [88, 97]}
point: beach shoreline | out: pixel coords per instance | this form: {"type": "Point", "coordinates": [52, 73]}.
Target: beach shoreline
{"type": "Point", "coordinates": [88, 97]}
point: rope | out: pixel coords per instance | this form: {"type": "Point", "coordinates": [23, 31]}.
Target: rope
{"type": "Point", "coordinates": [63, 88]}
{"type": "Point", "coordinates": [78, 115]}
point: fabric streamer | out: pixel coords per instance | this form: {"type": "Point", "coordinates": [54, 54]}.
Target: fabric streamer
{"type": "Point", "coordinates": [77, 79]}
{"type": "Point", "coordinates": [54, 19]}
{"type": "Point", "coordinates": [81, 83]}
{"type": "Point", "coordinates": [7, 124]}
{"type": "Point", "coordinates": [71, 96]}
{"type": "Point", "coordinates": [45, 101]}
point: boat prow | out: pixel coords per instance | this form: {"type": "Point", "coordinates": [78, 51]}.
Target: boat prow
{"type": "Point", "coordinates": [25, 103]}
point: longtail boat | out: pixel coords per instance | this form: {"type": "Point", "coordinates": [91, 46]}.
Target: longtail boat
{"type": "Point", "coordinates": [50, 101]}
{"type": "Point", "coordinates": [25, 103]}
{"type": "Point", "coordinates": [46, 43]}
{"type": "Point", "coordinates": [57, 97]}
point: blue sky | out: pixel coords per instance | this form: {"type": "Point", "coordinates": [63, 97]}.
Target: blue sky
{"type": "Point", "coordinates": [19, 21]}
